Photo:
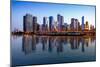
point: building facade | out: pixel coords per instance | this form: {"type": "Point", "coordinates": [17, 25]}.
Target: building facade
{"type": "Point", "coordinates": [82, 23]}
{"type": "Point", "coordinates": [60, 20]}
{"type": "Point", "coordinates": [28, 23]}
{"type": "Point", "coordinates": [51, 21]}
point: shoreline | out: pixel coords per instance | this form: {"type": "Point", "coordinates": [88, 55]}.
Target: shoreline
{"type": "Point", "coordinates": [53, 34]}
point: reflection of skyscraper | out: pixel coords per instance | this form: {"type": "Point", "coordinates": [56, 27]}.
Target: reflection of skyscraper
{"type": "Point", "coordinates": [83, 45]}
{"type": "Point", "coordinates": [74, 42]}
{"type": "Point", "coordinates": [59, 46]}
{"type": "Point", "coordinates": [27, 44]}
{"type": "Point", "coordinates": [82, 23]}
{"type": "Point", "coordinates": [28, 23]}
{"type": "Point", "coordinates": [34, 42]}
{"type": "Point", "coordinates": [44, 42]}
{"type": "Point", "coordinates": [86, 41]}
{"type": "Point", "coordinates": [60, 20]}
{"type": "Point", "coordinates": [51, 21]}
{"type": "Point", "coordinates": [50, 44]}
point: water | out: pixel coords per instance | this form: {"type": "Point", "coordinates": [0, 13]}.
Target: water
{"type": "Point", "coordinates": [33, 50]}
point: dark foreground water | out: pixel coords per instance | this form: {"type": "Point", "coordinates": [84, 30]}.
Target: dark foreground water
{"type": "Point", "coordinates": [33, 50]}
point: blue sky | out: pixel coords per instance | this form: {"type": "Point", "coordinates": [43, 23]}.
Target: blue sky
{"type": "Point", "coordinates": [19, 9]}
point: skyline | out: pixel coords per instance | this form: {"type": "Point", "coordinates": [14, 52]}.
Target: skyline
{"type": "Point", "coordinates": [19, 9]}
{"type": "Point", "coordinates": [30, 26]}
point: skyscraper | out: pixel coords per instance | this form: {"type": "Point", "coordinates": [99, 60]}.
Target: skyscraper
{"type": "Point", "coordinates": [91, 27]}
{"type": "Point", "coordinates": [72, 25]}
{"type": "Point", "coordinates": [28, 23]}
{"type": "Point", "coordinates": [34, 19]}
{"type": "Point", "coordinates": [86, 26]}
{"type": "Point", "coordinates": [35, 24]}
{"type": "Point", "coordinates": [76, 25]}
{"type": "Point", "coordinates": [44, 21]}
{"type": "Point", "coordinates": [60, 20]}
{"type": "Point", "coordinates": [82, 23]}
{"type": "Point", "coordinates": [51, 21]}
{"type": "Point", "coordinates": [44, 25]}
{"type": "Point", "coordinates": [65, 27]}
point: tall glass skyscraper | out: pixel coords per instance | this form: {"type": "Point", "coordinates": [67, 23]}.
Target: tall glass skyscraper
{"type": "Point", "coordinates": [28, 23]}
{"type": "Point", "coordinates": [76, 25]}
{"type": "Point", "coordinates": [60, 20]}
{"type": "Point", "coordinates": [44, 21]}
{"type": "Point", "coordinates": [82, 23]}
{"type": "Point", "coordinates": [35, 25]}
{"type": "Point", "coordinates": [44, 25]}
{"type": "Point", "coordinates": [51, 21]}
{"type": "Point", "coordinates": [72, 25]}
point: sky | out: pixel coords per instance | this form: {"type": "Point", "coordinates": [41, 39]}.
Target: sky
{"type": "Point", "coordinates": [20, 8]}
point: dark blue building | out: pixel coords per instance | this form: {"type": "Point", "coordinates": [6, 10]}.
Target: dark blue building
{"type": "Point", "coordinates": [82, 23]}
{"type": "Point", "coordinates": [44, 20]}
{"type": "Point", "coordinates": [51, 21]}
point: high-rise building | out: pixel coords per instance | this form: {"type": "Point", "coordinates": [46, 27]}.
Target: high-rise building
{"type": "Point", "coordinates": [82, 23]}
{"type": "Point", "coordinates": [72, 25]}
{"type": "Point", "coordinates": [44, 25]}
{"type": "Point", "coordinates": [87, 26]}
{"type": "Point", "coordinates": [51, 21]}
{"type": "Point", "coordinates": [44, 20]}
{"type": "Point", "coordinates": [68, 28]}
{"type": "Point", "coordinates": [34, 23]}
{"type": "Point", "coordinates": [79, 26]}
{"type": "Point", "coordinates": [60, 20]}
{"type": "Point", "coordinates": [91, 27]}
{"type": "Point", "coordinates": [65, 26]}
{"type": "Point", "coordinates": [76, 26]}
{"type": "Point", "coordinates": [28, 23]}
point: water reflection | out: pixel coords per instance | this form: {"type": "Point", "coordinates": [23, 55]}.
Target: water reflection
{"type": "Point", "coordinates": [31, 44]}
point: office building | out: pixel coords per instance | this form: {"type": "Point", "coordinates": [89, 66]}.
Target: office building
{"type": "Point", "coordinates": [28, 23]}
{"type": "Point", "coordinates": [44, 21]}
{"type": "Point", "coordinates": [60, 20]}
{"type": "Point", "coordinates": [76, 25]}
{"type": "Point", "coordinates": [35, 24]}
{"type": "Point", "coordinates": [91, 27]}
{"type": "Point", "coordinates": [44, 25]}
{"type": "Point", "coordinates": [51, 21]}
{"type": "Point", "coordinates": [82, 23]}
{"type": "Point", "coordinates": [72, 25]}
{"type": "Point", "coordinates": [87, 26]}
